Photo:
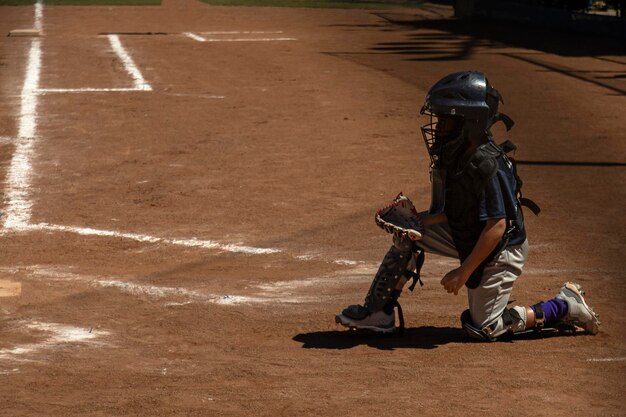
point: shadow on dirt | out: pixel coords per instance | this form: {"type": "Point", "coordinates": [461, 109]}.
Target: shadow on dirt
{"type": "Point", "coordinates": [430, 44]}
{"type": "Point", "coordinates": [448, 39]}
{"type": "Point", "coordinates": [572, 163]}
{"type": "Point", "coordinates": [426, 337]}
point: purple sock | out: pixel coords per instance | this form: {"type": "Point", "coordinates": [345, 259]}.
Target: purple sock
{"type": "Point", "coordinates": [553, 310]}
{"type": "Point", "coordinates": [388, 308]}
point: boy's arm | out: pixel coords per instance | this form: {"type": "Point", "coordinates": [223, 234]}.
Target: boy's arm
{"type": "Point", "coordinates": [491, 235]}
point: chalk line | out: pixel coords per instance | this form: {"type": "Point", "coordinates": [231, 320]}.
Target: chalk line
{"type": "Point", "coordinates": [138, 289]}
{"type": "Point", "coordinates": [237, 32]}
{"type": "Point", "coordinates": [207, 96]}
{"type": "Point", "coordinates": [194, 37]}
{"type": "Point", "coordinates": [623, 358]}
{"type": "Point", "coordinates": [39, 16]}
{"type": "Point", "coordinates": [129, 64]}
{"type": "Point", "coordinates": [88, 90]}
{"type": "Point", "coordinates": [19, 206]}
{"type": "Point", "coordinates": [191, 243]}
{"type": "Point", "coordinates": [203, 39]}
{"type": "Point", "coordinates": [249, 39]}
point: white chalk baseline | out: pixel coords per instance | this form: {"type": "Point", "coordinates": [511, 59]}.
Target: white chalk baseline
{"type": "Point", "coordinates": [199, 38]}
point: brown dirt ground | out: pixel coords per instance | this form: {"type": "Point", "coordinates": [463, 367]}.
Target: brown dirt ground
{"type": "Point", "coordinates": [310, 138]}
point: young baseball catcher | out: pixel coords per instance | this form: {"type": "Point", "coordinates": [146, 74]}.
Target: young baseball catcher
{"type": "Point", "coordinates": [475, 216]}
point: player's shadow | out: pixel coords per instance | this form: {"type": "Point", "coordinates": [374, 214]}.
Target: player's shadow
{"type": "Point", "coordinates": [425, 337]}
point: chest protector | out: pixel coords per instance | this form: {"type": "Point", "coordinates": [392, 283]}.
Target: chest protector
{"type": "Point", "coordinates": [483, 165]}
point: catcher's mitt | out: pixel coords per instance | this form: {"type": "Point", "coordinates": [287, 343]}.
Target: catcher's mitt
{"type": "Point", "coordinates": [400, 217]}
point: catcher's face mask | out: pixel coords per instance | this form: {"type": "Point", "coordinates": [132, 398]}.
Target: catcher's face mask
{"type": "Point", "coordinates": [444, 137]}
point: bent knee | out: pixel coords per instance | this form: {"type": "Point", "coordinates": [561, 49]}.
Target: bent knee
{"type": "Point", "coordinates": [511, 320]}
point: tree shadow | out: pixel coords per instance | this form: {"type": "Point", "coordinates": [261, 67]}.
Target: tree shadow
{"type": "Point", "coordinates": [448, 39]}
{"type": "Point", "coordinates": [501, 33]}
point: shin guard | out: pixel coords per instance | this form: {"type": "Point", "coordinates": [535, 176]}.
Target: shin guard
{"type": "Point", "coordinates": [392, 270]}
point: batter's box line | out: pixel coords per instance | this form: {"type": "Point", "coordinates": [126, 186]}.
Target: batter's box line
{"type": "Point", "coordinates": [139, 82]}
{"type": "Point", "coordinates": [91, 90]}
{"type": "Point", "coordinates": [190, 243]}
{"type": "Point", "coordinates": [199, 38]}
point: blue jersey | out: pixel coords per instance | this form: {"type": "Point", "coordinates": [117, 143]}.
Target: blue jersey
{"type": "Point", "coordinates": [468, 208]}
{"type": "Point", "coordinates": [499, 200]}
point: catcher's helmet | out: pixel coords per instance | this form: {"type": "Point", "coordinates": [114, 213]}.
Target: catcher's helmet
{"type": "Point", "coordinates": [462, 107]}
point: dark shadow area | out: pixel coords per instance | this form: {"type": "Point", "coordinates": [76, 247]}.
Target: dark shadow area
{"type": "Point", "coordinates": [355, 26]}
{"type": "Point", "coordinates": [498, 33]}
{"type": "Point", "coordinates": [426, 337]}
{"type": "Point", "coordinates": [430, 47]}
{"type": "Point", "coordinates": [572, 163]}
{"type": "Point", "coordinates": [610, 77]}
{"type": "Point", "coordinates": [454, 39]}
{"type": "Point", "coordinates": [615, 61]}
{"type": "Point", "coordinates": [413, 338]}
{"type": "Point", "coordinates": [573, 73]}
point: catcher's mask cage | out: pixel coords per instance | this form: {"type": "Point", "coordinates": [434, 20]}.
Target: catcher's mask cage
{"type": "Point", "coordinates": [465, 102]}
{"type": "Point", "coordinates": [444, 137]}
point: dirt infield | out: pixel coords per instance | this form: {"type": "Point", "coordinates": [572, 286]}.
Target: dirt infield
{"type": "Point", "coordinates": [186, 210]}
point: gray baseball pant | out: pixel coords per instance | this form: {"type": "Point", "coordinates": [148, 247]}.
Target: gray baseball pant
{"type": "Point", "coordinates": [487, 301]}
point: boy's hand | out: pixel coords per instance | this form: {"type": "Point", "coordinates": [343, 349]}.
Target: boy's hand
{"type": "Point", "coordinates": [454, 280]}
{"type": "Point", "coordinates": [487, 242]}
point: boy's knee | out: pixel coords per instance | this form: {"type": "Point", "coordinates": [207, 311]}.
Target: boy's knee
{"type": "Point", "coordinates": [512, 320]}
